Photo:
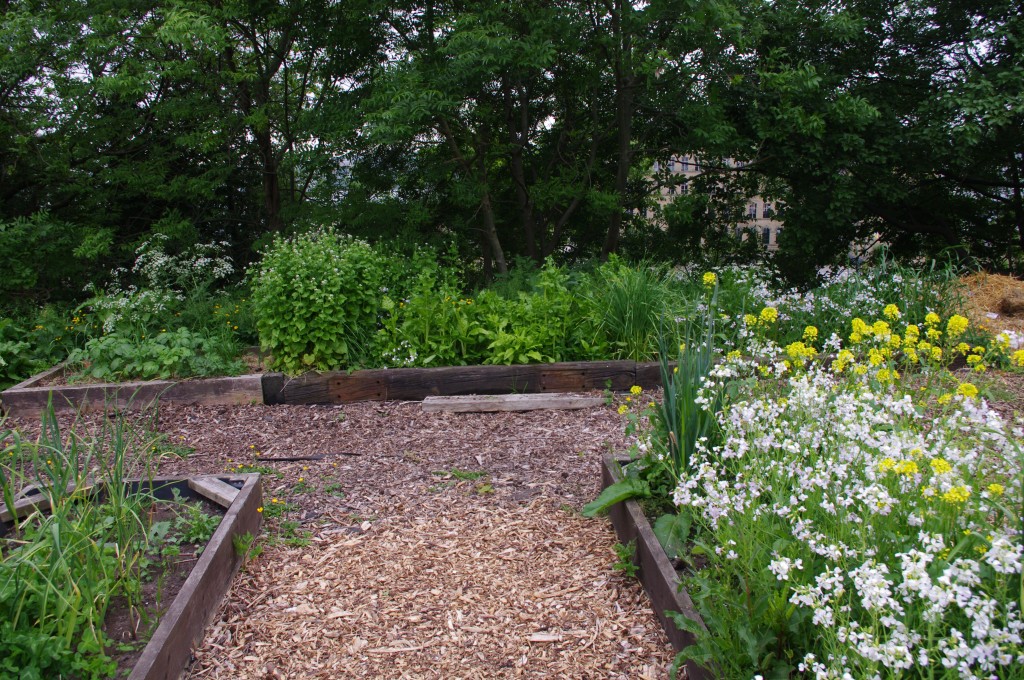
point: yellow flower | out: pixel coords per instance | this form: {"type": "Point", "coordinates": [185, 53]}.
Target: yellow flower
{"type": "Point", "coordinates": [956, 325]}
{"type": "Point", "coordinates": [933, 333]}
{"type": "Point", "coordinates": [734, 355]}
{"type": "Point", "coordinates": [886, 464]}
{"type": "Point", "coordinates": [635, 390]}
{"type": "Point", "coordinates": [940, 466]}
{"type": "Point", "coordinates": [944, 399]}
{"type": "Point", "coordinates": [1018, 358]}
{"type": "Point", "coordinates": [967, 390]}
{"type": "Point", "coordinates": [880, 329]}
{"type": "Point", "coordinates": [749, 319]}
{"type": "Point", "coordinates": [895, 341]}
{"type": "Point", "coordinates": [710, 279]}
{"type": "Point", "coordinates": [932, 319]}
{"type": "Point", "coordinates": [769, 315]}
{"type": "Point", "coordinates": [259, 509]}
{"type": "Point", "coordinates": [996, 489]}
{"type": "Point", "coordinates": [958, 494]}
{"type": "Point", "coordinates": [623, 409]}
{"type": "Point", "coordinates": [962, 348]}
{"type": "Point", "coordinates": [810, 334]}
{"type": "Point", "coordinates": [908, 468]}
{"type": "Point", "coordinates": [911, 354]}
{"type": "Point", "coordinates": [936, 354]}
{"type": "Point", "coordinates": [885, 376]}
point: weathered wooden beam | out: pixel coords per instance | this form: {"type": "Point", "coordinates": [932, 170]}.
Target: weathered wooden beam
{"type": "Point", "coordinates": [221, 493]}
{"type": "Point", "coordinates": [415, 384]}
{"type": "Point", "coordinates": [29, 401]}
{"type": "Point", "coordinates": [478, 403]}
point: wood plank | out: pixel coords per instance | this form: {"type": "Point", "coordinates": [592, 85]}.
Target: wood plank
{"type": "Point", "coordinates": [587, 375]}
{"type": "Point", "coordinates": [415, 384]}
{"type": "Point", "coordinates": [648, 374]}
{"type": "Point", "coordinates": [656, 572]}
{"type": "Point", "coordinates": [477, 403]}
{"type": "Point", "coordinates": [220, 492]}
{"type": "Point", "coordinates": [34, 498]}
{"type": "Point", "coordinates": [181, 627]}
{"type": "Point", "coordinates": [238, 389]}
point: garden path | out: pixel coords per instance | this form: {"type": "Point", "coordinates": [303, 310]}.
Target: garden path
{"type": "Point", "coordinates": [439, 546]}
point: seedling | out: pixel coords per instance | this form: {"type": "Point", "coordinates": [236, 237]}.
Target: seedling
{"type": "Point", "coordinates": [625, 554]}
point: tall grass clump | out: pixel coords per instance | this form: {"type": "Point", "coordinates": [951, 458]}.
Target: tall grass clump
{"type": "Point", "coordinates": [60, 569]}
{"type": "Point", "coordinates": [627, 305]}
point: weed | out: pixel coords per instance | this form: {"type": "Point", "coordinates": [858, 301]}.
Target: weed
{"type": "Point", "coordinates": [246, 546]}
{"type": "Point", "coordinates": [626, 559]}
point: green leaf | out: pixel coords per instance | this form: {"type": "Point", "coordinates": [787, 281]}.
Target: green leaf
{"type": "Point", "coordinates": [630, 487]}
{"type": "Point", "coordinates": [672, 531]}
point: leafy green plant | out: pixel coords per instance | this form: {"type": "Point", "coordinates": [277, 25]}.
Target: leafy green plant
{"type": "Point", "coordinates": [194, 524]}
{"type": "Point", "coordinates": [625, 559]}
{"type": "Point", "coordinates": [247, 546]}
{"type": "Point", "coordinates": [180, 353]}
{"type": "Point", "coordinates": [316, 298]}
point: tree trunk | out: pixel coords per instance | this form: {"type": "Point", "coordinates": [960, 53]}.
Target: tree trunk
{"type": "Point", "coordinates": [491, 232]}
{"type": "Point", "coordinates": [271, 180]}
{"type": "Point", "coordinates": [1018, 200]}
{"type": "Point", "coordinates": [625, 82]}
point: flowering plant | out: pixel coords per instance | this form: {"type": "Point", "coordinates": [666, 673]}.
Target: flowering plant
{"type": "Point", "coordinates": [856, 525]}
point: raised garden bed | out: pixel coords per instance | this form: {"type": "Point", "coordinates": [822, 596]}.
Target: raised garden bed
{"type": "Point", "coordinates": [169, 650]}
{"type": "Point", "coordinates": [655, 572]}
{"type": "Point", "coordinates": [30, 397]}
{"type": "Point", "coordinates": [337, 387]}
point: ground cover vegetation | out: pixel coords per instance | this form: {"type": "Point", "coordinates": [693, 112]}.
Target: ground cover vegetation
{"type": "Point", "coordinates": [839, 496]}
{"type": "Point", "coordinates": [66, 569]}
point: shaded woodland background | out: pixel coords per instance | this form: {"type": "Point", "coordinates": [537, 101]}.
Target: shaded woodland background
{"type": "Point", "coordinates": [514, 131]}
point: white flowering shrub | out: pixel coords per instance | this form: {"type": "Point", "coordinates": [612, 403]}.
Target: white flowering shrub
{"type": "Point", "coordinates": [161, 284]}
{"type": "Point", "coordinates": [856, 525]}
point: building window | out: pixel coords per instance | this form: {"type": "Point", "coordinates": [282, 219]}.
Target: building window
{"type": "Point", "coordinates": [752, 211]}
{"type": "Point", "coordinates": [686, 164]}
{"type": "Point", "coordinates": [769, 212]}
{"type": "Point", "coordinates": [766, 235]}
{"type": "Point", "coordinates": [671, 189]}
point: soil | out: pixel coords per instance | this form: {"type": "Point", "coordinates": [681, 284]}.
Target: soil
{"type": "Point", "coordinates": [417, 545]}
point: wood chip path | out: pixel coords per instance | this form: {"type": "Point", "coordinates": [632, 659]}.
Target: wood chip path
{"type": "Point", "coordinates": [421, 545]}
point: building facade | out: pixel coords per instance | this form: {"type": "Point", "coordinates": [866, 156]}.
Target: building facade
{"type": "Point", "coordinates": [759, 220]}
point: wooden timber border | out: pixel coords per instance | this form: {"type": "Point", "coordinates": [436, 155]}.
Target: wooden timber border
{"type": "Point", "coordinates": [655, 572]}
{"type": "Point", "coordinates": [336, 387]}
{"type": "Point", "coordinates": [169, 651]}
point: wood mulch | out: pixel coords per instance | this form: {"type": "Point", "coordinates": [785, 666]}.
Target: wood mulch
{"type": "Point", "coordinates": [419, 545]}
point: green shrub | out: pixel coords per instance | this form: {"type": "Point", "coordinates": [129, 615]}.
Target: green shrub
{"type": "Point", "coordinates": [180, 353]}
{"type": "Point", "coordinates": [316, 299]}
{"type": "Point", "coordinates": [434, 326]}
